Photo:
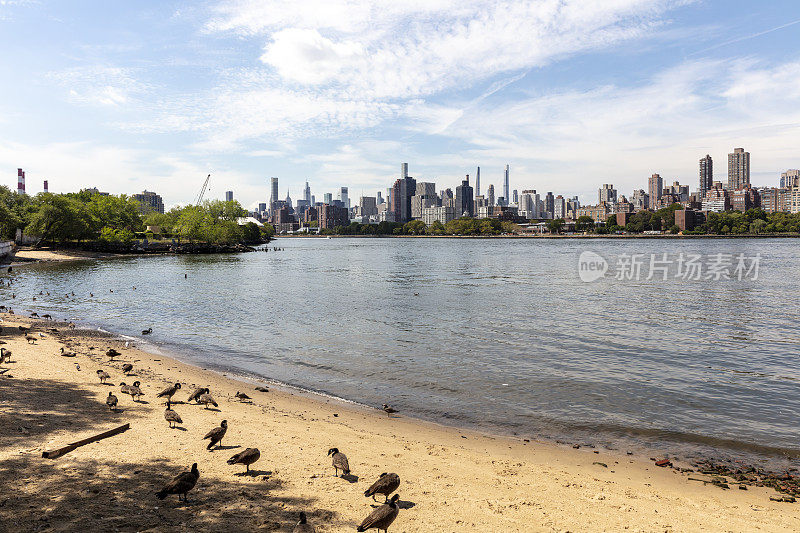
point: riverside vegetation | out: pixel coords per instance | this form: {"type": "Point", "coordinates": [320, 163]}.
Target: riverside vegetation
{"type": "Point", "coordinates": [85, 217]}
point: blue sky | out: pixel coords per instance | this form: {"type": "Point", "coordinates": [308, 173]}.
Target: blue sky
{"type": "Point", "coordinates": [572, 94]}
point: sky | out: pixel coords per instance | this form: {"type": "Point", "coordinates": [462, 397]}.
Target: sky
{"type": "Point", "coordinates": [155, 95]}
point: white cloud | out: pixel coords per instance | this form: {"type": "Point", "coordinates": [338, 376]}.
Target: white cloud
{"type": "Point", "coordinates": [99, 85]}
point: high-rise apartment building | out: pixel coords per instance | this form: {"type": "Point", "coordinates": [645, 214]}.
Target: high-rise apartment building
{"type": "Point", "coordinates": [149, 202]}
{"type": "Point", "coordinates": [490, 195]}
{"type": "Point", "coordinates": [274, 196]}
{"type": "Point", "coordinates": [738, 170]}
{"type": "Point", "coordinates": [515, 197]}
{"type": "Point", "coordinates": [655, 186]}
{"type": "Point", "coordinates": [706, 175]}
{"type": "Point", "coordinates": [607, 194]}
{"type": "Point", "coordinates": [307, 194]}
{"type": "Point", "coordinates": [228, 196]}
{"type": "Point", "coordinates": [402, 192]}
{"type": "Point", "coordinates": [559, 207]}
{"type": "Point", "coordinates": [505, 186]}
{"type": "Point", "coordinates": [549, 205]}
{"type": "Point", "coordinates": [344, 197]}
{"type": "Point", "coordinates": [465, 199]}
{"type": "Point", "coordinates": [327, 198]}
{"type": "Point", "coordinates": [20, 181]}
{"type": "Point", "coordinates": [478, 183]}
{"type": "Point", "coordinates": [790, 179]}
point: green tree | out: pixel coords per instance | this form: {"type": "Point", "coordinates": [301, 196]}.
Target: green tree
{"type": "Point", "coordinates": [584, 223]}
{"type": "Point", "coordinates": [59, 218]}
{"type": "Point", "coordinates": [555, 225]}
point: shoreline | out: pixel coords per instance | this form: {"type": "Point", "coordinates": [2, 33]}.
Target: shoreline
{"type": "Point", "coordinates": [519, 236]}
{"type": "Point", "coordinates": [486, 482]}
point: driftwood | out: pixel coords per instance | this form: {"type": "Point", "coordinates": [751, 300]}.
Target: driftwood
{"type": "Point", "coordinates": [58, 452]}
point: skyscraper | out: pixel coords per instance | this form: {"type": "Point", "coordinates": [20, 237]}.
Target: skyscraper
{"type": "Point", "coordinates": [465, 199]}
{"type": "Point", "coordinates": [344, 197]}
{"type": "Point", "coordinates": [738, 170]}
{"type": "Point", "coordinates": [327, 198]}
{"type": "Point", "coordinates": [228, 196]}
{"type": "Point", "coordinates": [478, 183]}
{"type": "Point", "coordinates": [274, 197]}
{"type": "Point", "coordinates": [514, 197]}
{"type": "Point", "coordinates": [20, 181]}
{"type": "Point", "coordinates": [607, 194]}
{"type": "Point", "coordinates": [655, 186]}
{"type": "Point", "coordinates": [379, 198]}
{"type": "Point", "coordinates": [401, 194]}
{"type": "Point", "coordinates": [706, 175]}
{"type": "Point", "coordinates": [46, 187]}
{"type": "Point", "coordinates": [790, 179]}
{"type": "Point", "coordinates": [490, 195]}
{"type": "Point", "coordinates": [505, 186]}
{"type": "Point", "coordinates": [403, 170]}
{"type": "Point", "coordinates": [288, 200]}
{"type": "Point", "coordinates": [550, 205]}
{"type": "Point", "coordinates": [307, 194]}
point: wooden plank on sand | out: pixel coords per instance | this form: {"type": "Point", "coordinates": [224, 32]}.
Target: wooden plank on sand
{"type": "Point", "coordinates": [58, 452]}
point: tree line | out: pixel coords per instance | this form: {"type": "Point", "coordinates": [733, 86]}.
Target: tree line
{"type": "Point", "coordinates": [460, 226]}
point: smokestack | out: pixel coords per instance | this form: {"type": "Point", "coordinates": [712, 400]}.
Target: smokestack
{"type": "Point", "coordinates": [45, 186]}
{"type": "Point", "coordinates": [20, 181]}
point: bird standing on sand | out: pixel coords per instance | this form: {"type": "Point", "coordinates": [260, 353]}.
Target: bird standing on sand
{"type": "Point", "coordinates": [339, 461]}
{"type": "Point", "coordinates": [216, 435]}
{"type": "Point", "coordinates": [206, 399]}
{"type": "Point", "coordinates": [303, 526]}
{"type": "Point", "coordinates": [5, 356]}
{"type": "Point", "coordinates": [246, 458]}
{"type": "Point", "coordinates": [197, 393]}
{"type": "Point", "coordinates": [31, 339]}
{"type": "Point", "coordinates": [147, 331]}
{"type": "Point", "coordinates": [242, 396]}
{"type": "Point", "coordinates": [386, 484]}
{"type": "Point", "coordinates": [171, 416]}
{"type": "Point", "coordinates": [382, 517]}
{"type": "Point", "coordinates": [111, 401]}
{"type": "Point", "coordinates": [133, 390]}
{"type": "Point", "coordinates": [103, 375]}
{"type": "Point", "coordinates": [112, 353]}
{"type": "Point", "coordinates": [389, 410]}
{"type": "Point", "coordinates": [169, 392]}
{"type": "Point", "coordinates": [127, 368]}
{"type": "Point", "coordinates": [180, 484]}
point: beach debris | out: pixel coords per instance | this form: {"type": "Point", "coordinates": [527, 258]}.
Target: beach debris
{"type": "Point", "coordinates": [246, 458]}
{"type": "Point", "coordinates": [180, 484]}
{"type": "Point", "coordinates": [112, 401]}
{"type": "Point", "coordinates": [58, 452]}
{"type": "Point", "coordinates": [303, 526]}
{"type": "Point", "coordinates": [389, 410]}
{"type": "Point", "coordinates": [386, 484]}
{"type": "Point", "coordinates": [664, 463]}
{"type": "Point", "coordinates": [382, 517]}
{"type": "Point", "coordinates": [339, 461]}
{"type": "Point", "coordinates": [103, 375]}
{"type": "Point", "coordinates": [600, 464]}
{"type": "Point", "coordinates": [215, 435]}
{"type": "Point", "coordinates": [171, 416]}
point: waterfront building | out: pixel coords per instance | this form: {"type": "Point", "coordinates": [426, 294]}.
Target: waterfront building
{"type": "Point", "coordinates": [443, 214]}
{"type": "Point", "coordinates": [794, 200]}
{"type": "Point", "coordinates": [774, 199]}
{"type": "Point", "coordinates": [706, 174]}
{"type": "Point", "coordinates": [490, 195]}
{"type": "Point", "coordinates": [717, 199]}
{"type": "Point", "coordinates": [228, 196]}
{"type": "Point", "coordinates": [526, 204]}
{"type": "Point", "coordinates": [311, 215]}
{"type": "Point", "coordinates": [598, 213]}
{"type": "Point", "coordinates": [655, 186]}
{"type": "Point", "coordinates": [465, 200]}
{"type": "Point", "coordinates": [330, 216]}
{"type": "Point", "coordinates": [149, 202]}
{"type": "Point", "coordinates": [738, 170]}
{"type": "Point", "coordinates": [688, 219]}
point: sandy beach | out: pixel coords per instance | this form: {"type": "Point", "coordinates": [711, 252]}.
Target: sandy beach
{"type": "Point", "coordinates": [451, 480]}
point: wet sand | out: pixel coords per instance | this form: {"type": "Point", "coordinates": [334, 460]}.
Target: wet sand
{"type": "Point", "coordinates": [452, 480]}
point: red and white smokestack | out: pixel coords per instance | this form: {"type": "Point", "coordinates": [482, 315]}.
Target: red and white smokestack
{"type": "Point", "coordinates": [45, 186]}
{"type": "Point", "coordinates": [20, 181]}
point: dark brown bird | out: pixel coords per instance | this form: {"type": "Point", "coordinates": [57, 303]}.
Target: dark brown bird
{"type": "Point", "coordinates": [242, 396]}
{"type": "Point", "coordinates": [111, 401]}
{"type": "Point", "coordinates": [112, 353]}
{"type": "Point", "coordinates": [197, 393]}
{"type": "Point", "coordinates": [180, 484]}
{"type": "Point", "coordinates": [147, 331]}
{"type": "Point", "coordinates": [303, 526]}
{"type": "Point", "coordinates": [169, 391]}
{"type": "Point", "coordinates": [5, 355]}
{"type": "Point", "coordinates": [206, 399]}
{"type": "Point", "coordinates": [386, 484]}
{"type": "Point", "coordinates": [127, 368]}
{"type": "Point", "coordinates": [65, 353]}
{"type": "Point", "coordinates": [339, 461]}
{"type": "Point", "coordinates": [382, 517]}
{"type": "Point", "coordinates": [246, 458]}
{"type": "Point", "coordinates": [216, 435]}
{"type": "Point", "coordinates": [23, 329]}
{"type": "Point", "coordinates": [31, 339]}
{"type": "Point", "coordinates": [171, 416]}
{"type": "Point", "coordinates": [389, 410]}
{"type": "Point", "coordinates": [133, 390]}
{"type": "Point", "coordinates": [103, 375]}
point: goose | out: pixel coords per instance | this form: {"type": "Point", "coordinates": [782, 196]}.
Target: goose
{"type": "Point", "coordinates": [31, 339]}
{"type": "Point", "coordinates": [215, 435]}
{"type": "Point", "coordinates": [34, 315]}
{"type": "Point", "coordinates": [197, 393]}
{"type": "Point", "coordinates": [246, 458]}
{"type": "Point", "coordinates": [147, 331]}
{"type": "Point", "coordinates": [103, 375]}
{"type": "Point", "coordinates": [171, 416]}
{"type": "Point", "coordinates": [389, 410]}
{"type": "Point", "coordinates": [48, 317]}
{"type": "Point", "coordinates": [242, 396]}
{"type": "Point", "coordinates": [339, 461]}
{"type": "Point", "coordinates": [382, 517]}
{"type": "Point", "coordinates": [133, 390]}
{"type": "Point", "coordinates": [180, 484]}
{"type": "Point", "coordinates": [65, 353]}
{"type": "Point", "coordinates": [111, 401]}
{"type": "Point", "coordinates": [303, 526]}
{"type": "Point", "coordinates": [5, 356]}
{"type": "Point", "coordinates": [386, 484]}
{"type": "Point", "coordinates": [207, 399]}
{"type": "Point", "coordinates": [127, 368]}
{"type": "Point", "coordinates": [169, 391]}
{"type": "Point", "coordinates": [23, 329]}
{"type": "Point", "coordinates": [112, 353]}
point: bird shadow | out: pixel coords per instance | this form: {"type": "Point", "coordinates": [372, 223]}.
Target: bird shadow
{"type": "Point", "coordinates": [214, 409]}
{"type": "Point", "coordinates": [350, 478]}
{"type": "Point", "coordinates": [225, 447]}
{"type": "Point", "coordinates": [254, 473]}
{"type": "Point", "coordinates": [180, 428]}
{"type": "Point", "coordinates": [402, 504]}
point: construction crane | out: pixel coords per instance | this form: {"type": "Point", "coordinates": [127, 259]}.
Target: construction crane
{"type": "Point", "coordinates": [202, 191]}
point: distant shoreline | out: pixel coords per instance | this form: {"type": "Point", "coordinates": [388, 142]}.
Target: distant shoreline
{"type": "Point", "coordinates": [588, 236]}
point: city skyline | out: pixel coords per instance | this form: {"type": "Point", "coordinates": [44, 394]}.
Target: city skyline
{"type": "Point", "coordinates": [155, 96]}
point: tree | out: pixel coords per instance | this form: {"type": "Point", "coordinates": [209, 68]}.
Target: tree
{"type": "Point", "coordinates": [60, 218]}
{"type": "Point", "coordinates": [555, 225]}
{"type": "Point", "coordinates": [414, 227]}
{"type": "Point", "coordinates": [584, 223]}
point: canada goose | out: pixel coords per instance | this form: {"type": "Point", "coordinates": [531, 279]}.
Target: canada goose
{"type": "Point", "coordinates": [147, 331]}
{"type": "Point", "coordinates": [382, 517]}
{"type": "Point", "coordinates": [133, 390]}
{"type": "Point", "coordinates": [103, 375]}
{"type": "Point", "coordinates": [111, 401]}
{"type": "Point", "coordinates": [197, 393]}
{"type": "Point", "coordinates": [23, 329]}
{"type": "Point", "coordinates": [48, 317]}
{"type": "Point", "coordinates": [207, 399]}
{"type": "Point", "coordinates": [31, 339]}
{"type": "Point", "coordinates": [127, 368]}
{"type": "Point", "coordinates": [169, 391]}
{"type": "Point", "coordinates": [386, 484]}
{"type": "Point", "coordinates": [303, 526]}
{"type": "Point", "coordinates": [34, 315]}
{"type": "Point", "coordinates": [5, 355]}
{"type": "Point", "coordinates": [215, 435]}
{"type": "Point", "coordinates": [171, 416]}
{"type": "Point", "coordinates": [246, 458]}
{"type": "Point", "coordinates": [65, 353]}
{"type": "Point", "coordinates": [339, 461]}
{"type": "Point", "coordinates": [112, 353]}
{"type": "Point", "coordinates": [180, 484]}
{"type": "Point", "coordinates": [242, 396]}
{"type": "Point", "coordinates": [389, 410]}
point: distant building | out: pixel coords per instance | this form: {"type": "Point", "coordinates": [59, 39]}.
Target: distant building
{"type": "Point", "coordinates": [95, 190]}
{"type": "Point", "coordinates": [307, 195]}
{"type": "Point", "coordinates": [228, 196]}
{"type": "Point", "coordinates": [655, 186]}
{"type": "Point", "coordinates": [640, 200]}
{"type": "Point", "coordinates": [344, 197]}
{"type": "Point", "coordinates": [327, 198]}
{"type": "Point", "coordinates": [717, 199]}
{"type": "Point", "coordinates": [774, 199]}
{"type": "Point", "coordinates": [549, 205]}
{"type": "Point", "coordinates": [465, 199]}
{"type": "Point", "coordinates": [20, 181]}
{"type": "Point", "coordinates": [744, 199]}
{"type": "Point", "coordinates": [790, 179]}
{"type": "Point", "coordinates": [446, 198]}
{"type": "Point", "coordinates": [274, 196]}
{"type": "Point", "coordinates": [794, 200]}
{"type": "Point", "coordinates": [443, 214]}
{"type": "Point", "coordinates": [688, 219]}
{"type": "Point", "coordinates": [367, 207]}
{"type": "Point", "coordinates": [330, 216]}
{"type": "Point", "coordinates": [607, 194]}
{"type": "Point", "coordinates": [478, 183]}
{"type": "Point", "coordinates": [149, 202]}
{"type": "Point", "coordinates": [514, 197]}
{"type": "Point", "coordinates": [424, 196]}
{"type": "Point", "coordinates": [706, 175]}
{"type": "Point", "coordinates": [402, 192]}
{"type": "Point", "coordinates": [677, 191]}
{"type": "Point", "coordinates": [46, 188]}
{"type": "Point", "coordinates": [559, 207]}
{"type": "Point", "coordinates": [738, 170]}
{"type": "Point", "coordinates": [506, 185]}
{"type": "Point", "coordinates": [490, 195]}
{"type": "Point", "coordinates": [598, 213]}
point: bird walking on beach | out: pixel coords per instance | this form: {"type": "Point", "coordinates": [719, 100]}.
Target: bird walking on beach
{"type": "Point", "coordinates": [389, 410]}
{"type": "Point", "coordinates": [147, 331]}
{"type": "Point", "coordinates": [171, 416]}
{"type": "Point", "coordinates": [386, 484]}
{"type": "Point", "coordinates": [5, 356]}
{"type": "Point", "coordinates": [169, 392]}
{"type": "Point", "coordinates": [242, 396]}
{"type": "Point", "coordinates": [133, 390]}
{"type": "Point", "coordinates": [303, 526]}
{"type": "Point", "coordinates": [127, 368]}
{"type": "Point", "coordinates": [103, 375]}
{"type": "Point", "coordinates": [382, 517]}
{"type": "Point", "coordinates": [246, 458]}
{"type": "Point", "coordinates": [112, 353]}
{"type": "Point", "coordinates": [195, 396]}
{"type": "Point", "coordinates": [339, 461]}
{"type": "Point", "coordinates": [206, 399]}
{"type": "Point", "coordinates": [180, 484]}
{"type": "Point", "coordinates": [215, 435]}
{"type": "Point", "coordinates": [31, 339]}
{"type": "Point", "coordinates": [65, 353]}
{"type": "Point", "coordinates": [112, 401]}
